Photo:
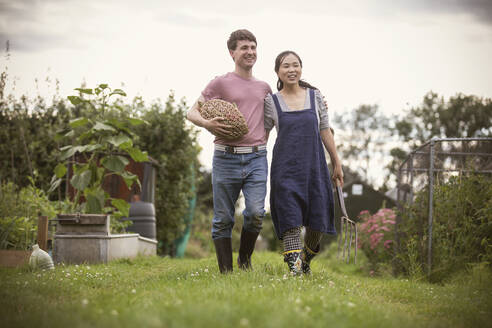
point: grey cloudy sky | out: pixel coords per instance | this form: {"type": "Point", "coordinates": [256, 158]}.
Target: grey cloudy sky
{"type": "Point", "coordinates": [385, 52]}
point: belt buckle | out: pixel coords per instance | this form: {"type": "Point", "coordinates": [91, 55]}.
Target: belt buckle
{"type": "Point", "coordinates": [229, 149]}
{"type": "Point", "coordinates": [255, 149]}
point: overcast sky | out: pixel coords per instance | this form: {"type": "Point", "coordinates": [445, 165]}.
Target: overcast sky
{"type": "Point", "coordinates": [385, 52]}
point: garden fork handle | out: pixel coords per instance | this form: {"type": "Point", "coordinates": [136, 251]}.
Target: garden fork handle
{"type": "Point", "coordinates": [341, 202]}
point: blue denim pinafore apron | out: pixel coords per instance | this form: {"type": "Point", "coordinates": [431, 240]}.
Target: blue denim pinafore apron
{"type": "Point", "coordinates": [301, 192]}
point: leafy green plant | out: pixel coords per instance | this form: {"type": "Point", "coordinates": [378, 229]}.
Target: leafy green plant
{"type": "Point", "coordinates": [461, 229]}
{"type": "Point", "coordinates": [19, 212]}
{"type": "Point", "coordinates": [172, 143]}
{"type": "Point", "coordinates": [101, 145]}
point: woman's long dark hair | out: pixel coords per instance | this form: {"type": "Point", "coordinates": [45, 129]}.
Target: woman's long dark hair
{"type": "Point", "coordinates": [278, 62]}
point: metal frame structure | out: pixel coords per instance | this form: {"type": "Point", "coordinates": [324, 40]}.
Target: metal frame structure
{"type": "Point", "coordinates": [432, 149]}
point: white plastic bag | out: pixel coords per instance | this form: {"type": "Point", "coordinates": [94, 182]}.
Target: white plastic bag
{"type": "Point", "coordinates": [40, 259]}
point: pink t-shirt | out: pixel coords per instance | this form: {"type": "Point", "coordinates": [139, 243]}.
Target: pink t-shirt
{"type": "Point", "coordinates": [249, 96]}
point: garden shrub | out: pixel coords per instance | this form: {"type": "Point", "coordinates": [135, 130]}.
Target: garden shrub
{"type": "Point", "coordinates": [19, 212]}
{"type": "Point", "coordinates": [461, 233]}
{"type": "Point", "coordinates": [376, 237]}
{"type": "Point", "coordinates": [169, 140]}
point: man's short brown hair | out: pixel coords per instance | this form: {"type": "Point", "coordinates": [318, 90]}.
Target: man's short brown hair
{"type": "Point", "coordinates": [238, 36]}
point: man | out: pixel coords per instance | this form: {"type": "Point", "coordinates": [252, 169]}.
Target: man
{"type": "Point", "coordinates": [241, 164]}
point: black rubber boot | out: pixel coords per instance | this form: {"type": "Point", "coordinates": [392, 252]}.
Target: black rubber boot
{"type": "Point", "coordinates": [306, 256]}
{"type": "Point", "coordinates": [223, 249]}
{"type": "Point", "coordinates": [246, 248]}
{"type": "Point", "coordinates": [293, 260]}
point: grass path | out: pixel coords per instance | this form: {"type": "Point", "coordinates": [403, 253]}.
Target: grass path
{"type": "Point", "coordinates": [163, 292]}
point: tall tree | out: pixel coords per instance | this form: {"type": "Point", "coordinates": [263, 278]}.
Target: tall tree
{"type": "Point", "coordinates": [361, 137]}
{"type": "Point", "coordinates": [462, 116]}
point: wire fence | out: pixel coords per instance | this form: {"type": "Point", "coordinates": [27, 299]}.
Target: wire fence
{"type": "Point", "coordinates": [433, 163]}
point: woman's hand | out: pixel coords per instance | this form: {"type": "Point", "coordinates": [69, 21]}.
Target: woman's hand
{"type": "Point", "coordinates": [337, 175]}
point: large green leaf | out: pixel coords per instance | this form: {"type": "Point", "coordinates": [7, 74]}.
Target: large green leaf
{"type": "Point", "coordinates": [102, 127]}
{"type": "Point", "coordinates": [115, 163]}
{"type": "Point", "coordinates": [137, 154]}
{"type": "Point", "coordinates": [71, 150]}
{"type": "Point", "coordinates": [75, 100]}
{"type": "Point", "coordinates": [60, 170]}
{"type": "Point", "coordinates": [118, 92]}
{"type": "Point", "coordinates": [81, 180]}
{"type": "Point", "coordinates": [129, 179]}
{"type": "Point", "coordinates": [118, 140]}
{"type": "Point", "coordinates": [120, 125]}
{"type": "Point", "coordinates": [60, 134]}
{"type": "Point", "coordinates": [86, 91]}
{"type": "Point", "coordinates": [81, 121]}
{"type": "Point", "coordinates": [121, 205]}
{"type": "Point", "coordinates": [95, 201]}
{"type": "Point", "coordinates": [68, 152]}
{"type": "Point", "coordinates": [137, 121]}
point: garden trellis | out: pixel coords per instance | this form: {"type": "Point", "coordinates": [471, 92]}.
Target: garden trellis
{"type": "Point", "coordinates": [434, 162]}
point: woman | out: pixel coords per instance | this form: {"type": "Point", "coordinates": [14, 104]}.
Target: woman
{"type": "Point", "coordinates": [301, 191]}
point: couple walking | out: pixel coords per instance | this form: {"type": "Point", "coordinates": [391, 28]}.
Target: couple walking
{"type": "Point", "coordinates": [301, 192]}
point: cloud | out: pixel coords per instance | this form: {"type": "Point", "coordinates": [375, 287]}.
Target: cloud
{"type": "Point", "coordinates": [39, 25]}
{"type": "Point", "coordinates": [192, 21]}
{"type": "Point", "coordinates": [479, 9]}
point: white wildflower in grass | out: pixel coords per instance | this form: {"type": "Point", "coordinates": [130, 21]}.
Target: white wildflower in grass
{"type": "Point", "coordinates": [260, 286]}
{"type": "Point", "coordinates": [331, 283]}
{"type": "Point", "coordinates": [206, 270]}
{"type": "Point", "coordinates": [298, 300]}
{"type": "Point", "coordinates": [85, 302]}
{"type": "Point", "coordinates": [114, 312]}
{"type": "Point", "coordinates": [307, 309]}
{"type": "Point", "coordinates": [350, 304]}
{"type": "Point", "coordinates": [134, 291]}
{"type": "Point", "coordinates": [244, 322]}
{"type": "Point", "coordinates": [76, 265]}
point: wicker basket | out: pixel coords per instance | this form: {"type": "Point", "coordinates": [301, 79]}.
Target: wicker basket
{"type": "Point", "coordinates": [232, 116]}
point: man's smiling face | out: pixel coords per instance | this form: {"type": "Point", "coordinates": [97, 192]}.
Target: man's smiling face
{"type": "Point", "coordinates": [245, 54]}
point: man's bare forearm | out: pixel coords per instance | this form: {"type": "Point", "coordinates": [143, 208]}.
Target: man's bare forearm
{"type": "Point", "coordinates": [193, 115]}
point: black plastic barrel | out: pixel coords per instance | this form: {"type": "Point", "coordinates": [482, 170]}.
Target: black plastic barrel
{"type": "Point", "coordinates": [142, 214]}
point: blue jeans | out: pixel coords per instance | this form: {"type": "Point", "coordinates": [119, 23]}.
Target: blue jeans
{"type": "Point", "coordinates": [232, 173]}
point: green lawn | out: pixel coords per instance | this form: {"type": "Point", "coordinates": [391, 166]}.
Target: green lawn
{"type": "Point", "coordinates": [164, 292]}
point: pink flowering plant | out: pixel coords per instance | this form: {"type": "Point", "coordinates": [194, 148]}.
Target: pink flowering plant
{"type": "Point", "coordinates": [376, 234]}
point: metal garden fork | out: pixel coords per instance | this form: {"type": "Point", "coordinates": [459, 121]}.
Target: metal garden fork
{"type": "Point", "coordinates": [345, 224]}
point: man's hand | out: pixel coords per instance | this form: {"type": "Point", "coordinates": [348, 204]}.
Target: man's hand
{"type": "Point", "coordinates": [217, 128]}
